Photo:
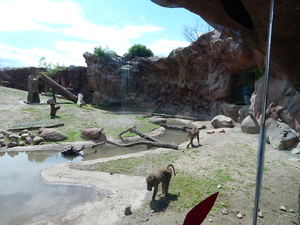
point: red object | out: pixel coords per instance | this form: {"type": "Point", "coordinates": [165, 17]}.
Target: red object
{"type": "Point", "coordinates": [238, 84]}
{"type": "Point", "coordinates": [198, 214]}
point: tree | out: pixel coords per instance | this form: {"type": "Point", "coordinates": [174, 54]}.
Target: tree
{"type": "Point", "coordinates": [139, 51]}
{"type": "Point", "coordinates": [192, 33]}
{"type": "Point", "coordinates": [50, 67]}
{"type": "Point", "coordinates": [104, 53]}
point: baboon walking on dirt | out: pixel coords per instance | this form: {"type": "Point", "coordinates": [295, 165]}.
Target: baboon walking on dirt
{"type": "Point", "coordinates": [161, 176]}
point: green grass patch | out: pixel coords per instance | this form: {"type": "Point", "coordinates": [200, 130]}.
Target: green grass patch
{"type": "Point", "coordinates": [73, 136]}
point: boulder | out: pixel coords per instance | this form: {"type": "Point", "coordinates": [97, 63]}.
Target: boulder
{"type": "Point", "coordinates": [14, 137]}
{"type": "Point", "coordinates": [37, 140]}
{"type": "Point", "coordinates": [296, 150]}
{"type": "Point", "coordinates": [5, 133]}
{"type": "Point", "coordinates": [95, 134]}
{"type": "Point", "coordinates": [12, 144]}
{"type": "Point", "coordinates": [51, 134]}
{"type": "Point", "coordinates": [280, 135]}
{"type": "Point", "coordinates": [2, 143]}
{"type": "Point", "coordinates": [250, 125]}
{"type": "Point", "coordinates": [23, 136]}
{"type": "Point", "coordinates": [243, 113]}
{"type": "Point", "coordinates": [28, 140]}
{"type": "Point", "coordinates": [23, 132]}
{"type": "Point", "coordinates": [157, 120]}
{"type": "Point", "coordinates": [221, 121]}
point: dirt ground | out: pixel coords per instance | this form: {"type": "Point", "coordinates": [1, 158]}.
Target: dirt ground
{"type": "Point", "coordinates": [232, 151]}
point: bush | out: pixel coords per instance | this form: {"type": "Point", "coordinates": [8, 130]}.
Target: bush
{"type": "Point", "coordinates": [140, 51]}
{"type": "Point", "coordinates": [104, 53]}
{"type": "Point", "coordinates": [50, 67]}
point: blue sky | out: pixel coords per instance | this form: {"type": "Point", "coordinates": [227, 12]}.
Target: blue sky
{"type": "Point", "coordinates": [62, 30]}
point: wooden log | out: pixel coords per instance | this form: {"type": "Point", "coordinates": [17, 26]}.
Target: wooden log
{"type": "Point", "coordinates": [135, 131]}
{"type": "Point", "coordinates": [57, 88]}
{"type": "Point", "coordinates": [149, 144]}
{"type": "Point", "coordinates": [53, 108]}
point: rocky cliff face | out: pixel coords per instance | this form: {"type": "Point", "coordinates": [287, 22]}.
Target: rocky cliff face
{"type": "Point", "coordinates": [73, 78]}
{"type": "Point", "coordinates": [197, 79]}
{"type": "Point", "coordinates": [249, 20]}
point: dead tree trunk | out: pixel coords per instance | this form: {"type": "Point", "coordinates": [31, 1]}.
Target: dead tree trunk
{"type": "Point", "coordinates": [80, 101]}
{"type": "Point", "coordinates": [149, 144]}
{"type": "Point", "coordinates": [53, 108]}
{"type": "Point", "coordinates": [134, 130]}
{"type": "Point", "coordinates": [33, 90]}
{"type": "Point", "coordinates": [57, 88]}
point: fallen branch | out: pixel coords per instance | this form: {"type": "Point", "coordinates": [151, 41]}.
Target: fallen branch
{"type": "Point", "coordinates": [149, 144]}
{"type": "Point", "coordinates": [135, 131]}
{"type": "Point", "coordinates": [174, 127]}
{"type": "Point", "coordinates": [31, 127]}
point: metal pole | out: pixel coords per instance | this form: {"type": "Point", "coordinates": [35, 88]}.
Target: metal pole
{"type": "Point", "coordinates": [262, 136]}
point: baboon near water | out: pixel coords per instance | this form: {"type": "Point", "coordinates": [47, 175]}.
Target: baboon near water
{"type": "Point", "coordinates": [163, 176]}
{"type": "Point", "coordinates": [192, 133]}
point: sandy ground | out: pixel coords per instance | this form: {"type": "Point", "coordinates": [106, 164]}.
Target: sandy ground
{"type": "Point", "coordinates": [121, 190]}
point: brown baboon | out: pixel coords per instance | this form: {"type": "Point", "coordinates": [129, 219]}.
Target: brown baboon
{"type": "Point", "coordinates": [192, 133]}
{"type": "Point", "coordinates": [163, 176]}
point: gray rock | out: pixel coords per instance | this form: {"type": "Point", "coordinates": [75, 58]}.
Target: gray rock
{"type": "Point", "coordinates": [221, 121]}
{"type": "Point", "coordinates": [37, 140]}
{"type": "Point", "coordinates": [5, 133]}
{"type": "Point", "coordinates": [280, 135]}
{"type": "Point", "coordinates": [13, 136]}
{"type": "Point", "coordinates": [93, 134]}
{"type": "Point", "coordinates": [243, 113]}
{"type": "Point", "coordinates": [210, 132]}
{"type": "Point", "coordinates": [210, 220]}
{"type": "Point", "coordinates": [12, 144]}
{"type": "Point", "coordinates": [260, 214]}
{"type": "Point", "coordinates": [224, 211]}
{"type": "Point", "coordinates": [250, 125]}
{"type": "Point", "coordinates": [128, 210]}
{"type": "Point", "coordinates": [50, 134]}
{"type": "Point", "coordinates": [291, 210]}
{"type": "Point", "coordinates": [282, 208]}
{"type": "Point", "coordinates": [23, 136]}
{"type": "Point", "coordinates": [2, 143]}
{"type": "Point", "coordinates": [240, 216]}
{"type": "Point", "coordinates": [2, 136]}
{"type": "Point", "coordinates": [23, 132]}
{"type": "Point", "coordinates": [157, 120]}
{"type": "Point", "coordinates": [28, 140]}
{"type": "Point", "coordinates": [296, 150]}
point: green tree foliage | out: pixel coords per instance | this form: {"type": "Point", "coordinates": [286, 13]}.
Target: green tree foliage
{"type": "Point", "coordinates": [140, 51]}
{"type": "Point", "coordinates": [104, 53]}
{"type": "Point", "coordinates": [50, 67]}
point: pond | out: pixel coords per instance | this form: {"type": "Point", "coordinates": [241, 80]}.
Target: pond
{"type": "Point", "coordinates": [25, 198]}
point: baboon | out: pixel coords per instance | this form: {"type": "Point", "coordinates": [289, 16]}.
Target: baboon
{"type": "Point", "coordinates": [192, 133]}
{"type": "Point", "coordinates": [163, 176]}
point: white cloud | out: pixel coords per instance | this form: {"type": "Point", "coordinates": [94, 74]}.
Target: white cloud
{"type": "Point", "coordinates": [15, 57]}
{"type": "Point", "coordinates": [20, 15]}
{"type": "Point", "coordinates": [163, 47]}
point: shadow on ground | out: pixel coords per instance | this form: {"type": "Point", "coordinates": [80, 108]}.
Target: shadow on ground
{"type": "Point", "coordinates": [163, 203]}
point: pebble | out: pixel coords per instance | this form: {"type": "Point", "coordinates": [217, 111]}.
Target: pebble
{"type": "Point", "coordinates": [23, 132]}
{"type": "Point", "coordinates": [260, 214]}
{"type": "Point", "coordinates": [219, 186]}
{"type": "Point", "coordinates": [291, 210]}
{"type": "Point", "coordinates": [224, 211]}
{"type": "Point", "coordinates": [128, 210]}
{"type": "Point", "coordinates": [1, 136]}
{"type": "Point", "coordinates": [282, 208]}
{"type": "Point", "coordinates": [210, 132]}
{"type": "Point", "coordinates": [210, 220]}
{"type": "Point", "coordinates": [146, 219]}
{"type": "Point", "coordinates": [240, 216]}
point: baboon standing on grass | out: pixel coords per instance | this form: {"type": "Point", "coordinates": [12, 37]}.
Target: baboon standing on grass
{"type": "Point", "coordinates": [161, 176]}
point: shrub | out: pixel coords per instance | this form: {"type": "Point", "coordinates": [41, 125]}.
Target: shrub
{"type": "Point", "coordinates": [104, 53]}
{"type": "Point", "coordinates": [50, 67]}
{"type": "Point", "coordinates": [140, 51]}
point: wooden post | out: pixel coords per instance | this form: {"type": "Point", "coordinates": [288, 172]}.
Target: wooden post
{"type": "Point", "coordinates": [33, 90]}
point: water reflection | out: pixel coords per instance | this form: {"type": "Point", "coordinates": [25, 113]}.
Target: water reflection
{"type": "Point", "coordinates": [24, 198]}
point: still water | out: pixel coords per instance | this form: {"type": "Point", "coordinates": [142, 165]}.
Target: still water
{"type": "Point", "coordinates": [25, 198]}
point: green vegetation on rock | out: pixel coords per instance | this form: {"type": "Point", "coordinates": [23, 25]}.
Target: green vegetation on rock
{"type": "Point", "coordinates": [139, 50]}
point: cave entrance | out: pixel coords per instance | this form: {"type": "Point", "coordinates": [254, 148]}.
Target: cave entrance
{"type": "Point", "coordinates": [243, 86]}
